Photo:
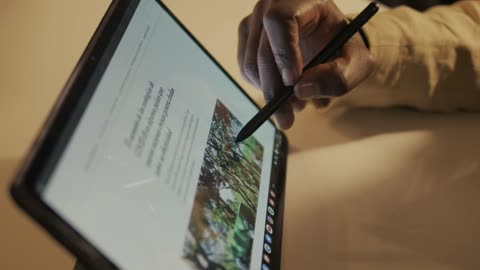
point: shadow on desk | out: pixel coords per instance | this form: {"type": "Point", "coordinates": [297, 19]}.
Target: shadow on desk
{"type": "Point", "coordinates": [400, 191]}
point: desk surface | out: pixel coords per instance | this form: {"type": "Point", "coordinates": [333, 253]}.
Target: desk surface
{"type": "Point", "coordinates": [367, 189]}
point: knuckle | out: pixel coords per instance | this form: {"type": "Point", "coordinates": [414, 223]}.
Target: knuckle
{"type": "Point", "coordinates": [260, 7]}
{"type": "Point", "coordinates": [263, 52]}
{"type": "Point", "coordinates": [250, 69]}
{"type": "Point", "coordinates": [264, 56]}
{"type": "Point", "coordinates": [283, 58]}
{"type": "Point", "coordinates": [279, 13]}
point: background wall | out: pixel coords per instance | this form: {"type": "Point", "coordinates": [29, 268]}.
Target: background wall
{"type": "Point", "coordinates": [40, 44]}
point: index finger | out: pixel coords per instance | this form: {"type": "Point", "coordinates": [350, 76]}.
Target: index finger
{"type": "Point", "coordinates": [281, 27]}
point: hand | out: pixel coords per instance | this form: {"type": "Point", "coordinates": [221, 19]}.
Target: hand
{"type": "Point", "coordinates": [281, 36]}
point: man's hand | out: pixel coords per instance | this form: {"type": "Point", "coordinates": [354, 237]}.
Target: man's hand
{"type": "Point", "coordinates": [281, 36]}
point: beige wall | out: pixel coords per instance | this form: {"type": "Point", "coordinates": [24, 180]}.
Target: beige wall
{"type": "Point", "coordinates": [40, 43]}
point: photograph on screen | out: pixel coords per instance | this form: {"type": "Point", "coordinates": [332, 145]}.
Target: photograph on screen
{"type": "Point", "coordinates": [222, 222]}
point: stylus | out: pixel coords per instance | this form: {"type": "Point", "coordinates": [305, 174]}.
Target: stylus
{"type": "Point", "coordinates": [329, 51]}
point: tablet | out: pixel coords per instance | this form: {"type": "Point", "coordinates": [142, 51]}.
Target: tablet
{"type": "Point", "coordinates": [136, 167]}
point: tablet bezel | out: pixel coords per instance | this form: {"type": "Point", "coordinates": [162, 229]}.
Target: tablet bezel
{"type": "Point", "coordinates": [64, 117]}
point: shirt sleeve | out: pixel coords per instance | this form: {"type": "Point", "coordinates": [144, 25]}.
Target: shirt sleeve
{"type": "Point", "coordinates": [429, 60]}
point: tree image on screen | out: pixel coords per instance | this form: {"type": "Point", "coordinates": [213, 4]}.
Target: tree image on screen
{"type": "Point", "coordinates": [222, 222]}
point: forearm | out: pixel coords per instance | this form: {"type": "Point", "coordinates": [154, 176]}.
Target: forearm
{"type": "Point", "coordinates": [427, 60]}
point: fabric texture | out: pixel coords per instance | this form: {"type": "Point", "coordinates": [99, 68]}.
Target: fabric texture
{"type": "Point", "coordinates": [427, 60]}
{"type": "Point", "coordinates": [420, 5]}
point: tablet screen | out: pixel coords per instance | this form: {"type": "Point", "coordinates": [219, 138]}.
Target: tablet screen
{"type": "Point", "coordinates": [151, 174]}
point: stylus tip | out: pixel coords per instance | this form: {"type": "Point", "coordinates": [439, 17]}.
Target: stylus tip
{"type": "Point", "coordinates": [241, 136]}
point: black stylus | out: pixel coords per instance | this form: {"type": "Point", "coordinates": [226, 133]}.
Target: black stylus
{"type": "Point", "coordinates": [338, 42]}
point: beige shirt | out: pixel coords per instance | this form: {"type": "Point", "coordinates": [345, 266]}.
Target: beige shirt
{"type": "Point", "coordinates": [429, 61]}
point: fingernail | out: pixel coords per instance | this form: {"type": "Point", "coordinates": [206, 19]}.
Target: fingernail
{"type": "Point", "coordinates": [289, 76]}
{"type": "Point", "coordinates": [306, 90]}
